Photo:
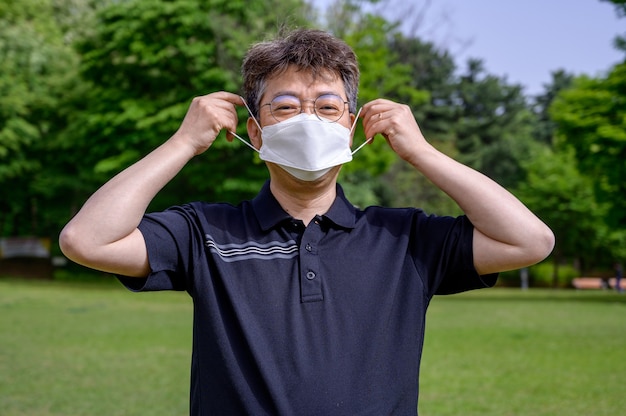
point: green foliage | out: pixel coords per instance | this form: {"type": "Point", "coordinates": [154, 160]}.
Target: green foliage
{"type": "Point", "coordinates": [71, 118]}
{"type": "Point", "coordinates": [542, 275]}
{"type": "Point", "coordinates": [383, 75]}
{"type": "Point", "coordinates": [90, 86]}
{"type": "Point", "coordinates": [591, 120]}
{"type": "Point", "coordinates": [573, 205]}
{"type": "Point", "coordinates": [36, 68]}
{"type": "Point", "coordinates": [545, 127]}
{"type": "Point", "coordinates": [475, 118]}
{"type": "Point", "coordinates": [495, 127]}
{"type": "Point", "coordinates": [620, 9]}
{"type": "Point", "coordinates": [431, 70]}
{"type": "Point", "coordinates": [409, 188]}
{"type": "Point", "coordinates": [363, 190]}
{"type": "Point", "coordinates": [563, 197]}
{"type": "Point", "coordinates": [144, 63]}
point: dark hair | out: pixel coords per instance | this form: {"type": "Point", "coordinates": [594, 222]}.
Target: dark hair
{"type": "Point", "coordinates": [307, 49]}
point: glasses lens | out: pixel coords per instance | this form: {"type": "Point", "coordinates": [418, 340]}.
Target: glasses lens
{"type": "Point", "coordinates": [284, 107]}
{"type": "Point", "coordinates": [329, 107]}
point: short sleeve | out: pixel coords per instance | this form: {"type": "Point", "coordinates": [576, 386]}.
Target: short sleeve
{"type": "Point", "coordinates": [172, 240]}
{"type": "Point", "coordinates": [447, 243]}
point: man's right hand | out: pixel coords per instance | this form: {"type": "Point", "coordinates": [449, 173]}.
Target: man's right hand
{"type": "Point", "coordinates": [206, 117]}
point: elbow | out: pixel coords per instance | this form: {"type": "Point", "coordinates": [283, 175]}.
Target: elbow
{"type": "Point", "coordinates": [533, 246]}
{"type": "Point", "coordinates": [543, 245]}
{"type": "Point", "coordinates": [70, 244]}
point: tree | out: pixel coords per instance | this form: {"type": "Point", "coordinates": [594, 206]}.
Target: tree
{"type": "Point", "coordinates": [563, 197]}
{"type": "Point", "coordinates": [478, 119]}
{"type": "Point", "coordinates": [144, 62]}
{"type": "Point", "coordinates": [432, 70]}
{"type": "Point", "coordinates": [591, 119]}
{"type": "Point", "coordinates": [620, 9]}
{"type": "Point", "coordinates": [37, 67]}
{"type": "Point", "coordinates": [494, 127]}
{"type": "Point", "coordinates": [383, 75]}
{"type": "Point", "coordinates": [545, 127]}
{"type": "Point", "coordinates": [620, 6]}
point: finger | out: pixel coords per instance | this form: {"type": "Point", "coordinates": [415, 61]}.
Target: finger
{"type": "Point", "coordinates": [226, 114]}
{"type": "Point", "coordinates": [229, 97]}
{"type": "Point", "coordinates": [374, 124]}
{"type": "Point", "coordinates": [374, 107]}
{"type": "Point", "coordinates": [230, 125]}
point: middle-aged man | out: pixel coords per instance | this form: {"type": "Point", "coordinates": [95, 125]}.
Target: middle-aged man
{"type": "Point", "coordinates": [303, 304]}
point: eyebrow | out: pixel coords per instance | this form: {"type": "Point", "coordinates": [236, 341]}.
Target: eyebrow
{"type": "Point", "coordinates": [327, 92]}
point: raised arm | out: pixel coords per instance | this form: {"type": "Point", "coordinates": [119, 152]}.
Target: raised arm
{"type": "Point", "coordinates": [103, 235]}
{"type": "Point", "coordinates": [507, 235]}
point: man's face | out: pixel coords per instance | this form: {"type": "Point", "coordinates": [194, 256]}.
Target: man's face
{"type": "Point", "coordinates": [306, 89]}
{"type": "Point", "coordinates": [302, 85]}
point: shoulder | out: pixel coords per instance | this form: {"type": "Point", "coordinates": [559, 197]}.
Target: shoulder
{"type": "Point", "coordinates": [217, 208]}
{"type": "Point", "coordinates": [413, 222]}
{"type": "Point", "coordinates": [385, 216]}
{"type": "Point", "coordinates": [203, 209]}
{"type": "Point", "coordinates": [200, 215]}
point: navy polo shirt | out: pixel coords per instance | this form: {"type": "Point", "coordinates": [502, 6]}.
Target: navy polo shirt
{"type": "Point", "coordinates": [326, 319]}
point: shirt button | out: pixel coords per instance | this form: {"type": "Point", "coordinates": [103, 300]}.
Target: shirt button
{"type": "Point", "coordinates": [308, 247]}
{"type": "Point", "coordinates": [310, 275]}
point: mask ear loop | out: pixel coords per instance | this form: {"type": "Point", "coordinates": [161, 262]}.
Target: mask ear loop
{"type": "Point", "coordinates": [352, 129]}
{"type": "Point", "coordinates": [257, 123]}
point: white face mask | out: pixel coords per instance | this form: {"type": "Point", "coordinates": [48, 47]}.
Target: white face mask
{"type": "Point", "coordinates": [305, 146]}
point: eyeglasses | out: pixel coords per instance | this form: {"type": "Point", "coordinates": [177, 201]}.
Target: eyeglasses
{"type": "Point", "coordinates": [327, 107]}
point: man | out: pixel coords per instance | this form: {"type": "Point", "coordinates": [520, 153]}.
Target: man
{"type": "Point", "coordinates": [304, 304]}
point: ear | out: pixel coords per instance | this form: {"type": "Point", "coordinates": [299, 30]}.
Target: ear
{"type": "Point", "coordinates": [254, 133]}
{"type": "Point", "coordinates": [352, 118]}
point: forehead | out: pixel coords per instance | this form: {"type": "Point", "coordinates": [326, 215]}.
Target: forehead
{"type": "Point", "coordinates": [303, 83]}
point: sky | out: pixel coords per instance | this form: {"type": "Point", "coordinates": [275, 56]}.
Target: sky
{"type": "Point", "coordinates": [523, 41]}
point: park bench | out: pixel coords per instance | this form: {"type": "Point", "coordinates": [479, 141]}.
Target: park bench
{"type": "Point", "coordinates": [588, 283]}
{"type": "Point", "coordinates": [613, 282]}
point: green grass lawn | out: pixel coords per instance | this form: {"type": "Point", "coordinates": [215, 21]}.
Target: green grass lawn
{"type": "Point", "coordinates": [92, 349]}
{"type": "Point", "coordinates": [95, 349]}
{"type": "Point", "coordinates": [541, 352]}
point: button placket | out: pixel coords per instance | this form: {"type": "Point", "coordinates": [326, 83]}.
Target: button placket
{"type": "Point", "coordinates": [310, 278]}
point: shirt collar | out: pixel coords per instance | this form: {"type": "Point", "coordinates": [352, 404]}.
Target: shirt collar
{"type": "Point", "coordinates": [342, 213]}
{"type": "Point", "coordinates": [269, 212]}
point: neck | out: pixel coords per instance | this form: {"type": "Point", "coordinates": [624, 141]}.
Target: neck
{"type": "Point", "coordinates": [305, 201]}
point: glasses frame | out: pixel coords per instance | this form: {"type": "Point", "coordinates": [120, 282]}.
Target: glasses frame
{"type": "Point", "coordinates": [302, 101]}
